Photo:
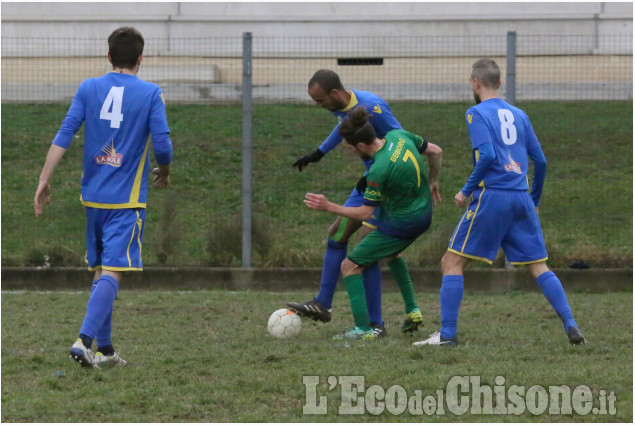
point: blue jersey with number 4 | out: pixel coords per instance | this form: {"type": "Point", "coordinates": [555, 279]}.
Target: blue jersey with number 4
{"type": "Point", "coordinates": [509, 130]}
{"type": "Point", "coordinates": [119, 111]}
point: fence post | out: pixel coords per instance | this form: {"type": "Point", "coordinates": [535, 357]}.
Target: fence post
{"type": "Point", "coordinates": [247, 131]}
{"type": "Point", "coordinates": [510, 91]}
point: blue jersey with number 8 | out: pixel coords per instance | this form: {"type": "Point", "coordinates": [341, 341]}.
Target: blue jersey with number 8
{"type": "Point", "coordinates": [119, 111]}
{"type": "Point", "coordinates": [509, 130]}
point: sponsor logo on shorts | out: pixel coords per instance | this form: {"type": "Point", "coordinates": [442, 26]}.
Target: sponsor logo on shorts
{"type": "Point", "coordinates": [470, 213]}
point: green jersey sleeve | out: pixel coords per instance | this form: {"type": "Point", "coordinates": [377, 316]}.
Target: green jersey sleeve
{"type": "Point", "coordinates": [418, 141]}
{"type": "Point", "coordinates": [372, 195]}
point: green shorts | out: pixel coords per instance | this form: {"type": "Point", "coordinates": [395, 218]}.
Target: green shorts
{"type": "Point", "coordinates": [376, 246]}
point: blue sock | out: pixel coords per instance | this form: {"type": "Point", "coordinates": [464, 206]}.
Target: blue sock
{"type": "Point", "coordinates": [372, 285]}
{"type": "Point", "coordinates": [104, 333]}
{"type": "Point", "coordinates": [335, 254]}
{"type": "Point", "coordinates": [99, 305]}
{"type": "Point", "coordinates": [451, 296]}
{"type": "Point", "coordinates": [553, 291]}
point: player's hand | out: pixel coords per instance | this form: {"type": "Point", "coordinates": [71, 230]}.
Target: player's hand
{"type": "Point", "coordinates": [42, 196]}
{"type": "Point", "coordinates": [160, 180]}
{"type": "Point", "coordinates": [306, 159]}
{"type": "Point", "coordinates": [436, 195]}
{"type": "Point", "coordinates": [361, 184]}
{"type": "Point", "coordinates": [460, 200]}
{"type": "Point", "coordinates": [316, 201]}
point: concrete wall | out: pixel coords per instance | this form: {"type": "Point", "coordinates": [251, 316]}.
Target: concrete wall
{"type": "Point", "coordinates": [487, 280]}
{"type": "Point", "coordinates": [225, 19]}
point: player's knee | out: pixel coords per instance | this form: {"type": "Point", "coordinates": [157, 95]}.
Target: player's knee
{"type": "Point", "coordinates": [348, 268]}
{"type": "Point", "coordinates": [337, 232]}
{"type": "Point", "coordinates": [537, 269]}
{"type": "Point", "coordinates": [452, 264]}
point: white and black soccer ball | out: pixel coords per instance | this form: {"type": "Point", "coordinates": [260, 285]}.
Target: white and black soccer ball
{"type": "Point", "coordinates": [284, 324]}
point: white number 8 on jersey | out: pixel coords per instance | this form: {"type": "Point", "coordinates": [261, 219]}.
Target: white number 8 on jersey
{"type": "Point", "coordinates": [508, 129]}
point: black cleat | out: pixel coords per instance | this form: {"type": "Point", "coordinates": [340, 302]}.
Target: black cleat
{"type": "Point", "coordinates": [575, 336]}
{"type": "Point", "coordinates": [311, 309]}
{"type": "Point", "coordinates": [379, 330]}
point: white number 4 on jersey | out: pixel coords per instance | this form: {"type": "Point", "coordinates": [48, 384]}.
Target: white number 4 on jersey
{"type": "Point", "coordinates": [111, 109]}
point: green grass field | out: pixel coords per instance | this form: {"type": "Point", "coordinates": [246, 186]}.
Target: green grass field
{"type": "Point", "coordinates": [206, 357]}
{"type": "Point", "coordinates": [586, 207]}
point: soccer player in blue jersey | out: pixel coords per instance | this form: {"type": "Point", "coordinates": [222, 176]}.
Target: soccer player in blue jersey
{"type": "Point", "coordinates": [327, 90]}
{"type": "Point", "coordinates": [502, 212]}
{"type": "Point", "coordinates": [119, 111]}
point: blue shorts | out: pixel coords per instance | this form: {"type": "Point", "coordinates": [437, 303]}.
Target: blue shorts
{"type": "Point", "coordinates": [114, 238]}
{"type": "Point", "coordinates": [356, 199]}
{"type": "Point", "coordinates": [500, 219]}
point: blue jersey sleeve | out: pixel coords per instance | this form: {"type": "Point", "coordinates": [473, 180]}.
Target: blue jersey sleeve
{"type": "Point", "coordinates": [540, 171]}
{"type": "Point", "coordinates": [160, 131]}
{"type": "Point", "coordinates": [382, 118]}
{"type": "Point", "coordinates": [74, 118]}
{"type": "Point", "coordinates": [332, 141]}
{"type": "Point", "coordinates": [477, 127]}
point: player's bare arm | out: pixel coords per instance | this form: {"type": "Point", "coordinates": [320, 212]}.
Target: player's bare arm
{"type": "Point", "coordinates": [43, 191]}
{"type": "Point", "coordinates": [434, 153]}
{"type": "Point", "coordinates": [321, 203]}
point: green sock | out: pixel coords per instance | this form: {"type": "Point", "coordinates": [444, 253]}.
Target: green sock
{"type": "Point", "coordinates": [399, 271]}
{"type": "Point", "coordinates": [357, 296]}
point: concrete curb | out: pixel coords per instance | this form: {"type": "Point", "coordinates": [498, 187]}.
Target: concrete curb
{"type": "Point", "coordinates": [283, 279]}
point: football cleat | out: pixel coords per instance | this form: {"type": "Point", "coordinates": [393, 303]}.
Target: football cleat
{"type": "Point", "coordinates": [83, 355]}
{"type": "Point", "coordinates": [109, 361]}
{"type": "Point", "coordinates": [357, 333]}
{"type": "Point", "coordinates": [412, 321]}
{"type": "Point", "coordinates": [575, 336]}
{"type": "Point", "coordinates": [437, 339]}
{"type": "Point", "coordinates": [379, 330]}
{"type": "Point", "coordinates": [311, 309]}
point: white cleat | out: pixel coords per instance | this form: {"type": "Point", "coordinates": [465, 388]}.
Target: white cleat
{"type": "Point", "coordinates": [109, 361]}
{"type": "Point", "coordinates": [436, 339]}
{"type": "Point", "coordinates": [83, 355]}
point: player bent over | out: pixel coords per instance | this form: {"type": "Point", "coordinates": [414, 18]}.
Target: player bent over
{"type": "Point", "coordinates": [119, 111]}
{"type": "Point", "coordinates": [396, 182]}
{"type": "Point", "coordinates": [502, 213]}
{"type": "Point", "coordinates": [326, 89]}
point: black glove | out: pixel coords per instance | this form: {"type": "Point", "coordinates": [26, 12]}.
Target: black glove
{"type": "Point", "coordinates": [423, 147]}
{"type": "Point", "coordinates": [361, 184]}
{"type": "Point", "coordinates": [306, 159]}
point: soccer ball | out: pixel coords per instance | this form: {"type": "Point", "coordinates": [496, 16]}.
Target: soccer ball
{"type": "Point", "coordinates": [284, 324]}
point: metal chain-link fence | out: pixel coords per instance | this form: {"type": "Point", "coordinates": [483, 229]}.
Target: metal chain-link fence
{"type": "Point", "coordinates": [573, 87]}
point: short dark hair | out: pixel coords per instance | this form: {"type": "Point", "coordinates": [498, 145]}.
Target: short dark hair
{"type": "Point", "coordinates": [487, 72]}
{"type": "Point", "coordinates": [356, 127]}
{"type": "Point", "coordinates": [327, 80]}
{"type": "Point", "coordinates": [125, 45]}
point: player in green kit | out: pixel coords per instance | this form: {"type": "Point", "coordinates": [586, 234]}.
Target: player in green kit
{"type": "Point", "coordinates": [397, 182]}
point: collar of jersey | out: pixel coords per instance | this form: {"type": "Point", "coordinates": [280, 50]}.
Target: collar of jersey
{"type": "Point", "coordinates": [382, 146]}
{"type": "Point", "coordinates": [352, 103]}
